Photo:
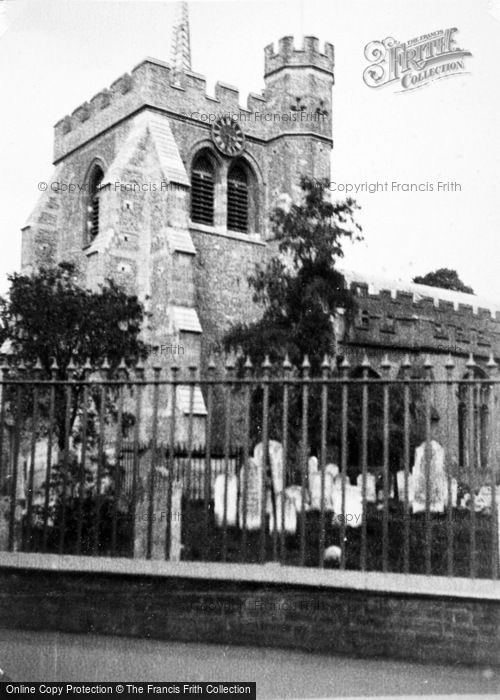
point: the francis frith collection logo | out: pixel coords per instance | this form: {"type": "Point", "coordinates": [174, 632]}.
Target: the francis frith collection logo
{"type": "Point", "coordinates": [416, 62]}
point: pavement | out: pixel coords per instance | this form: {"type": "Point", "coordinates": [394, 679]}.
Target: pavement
{"type": "Point", "coordinates": [52, 656]}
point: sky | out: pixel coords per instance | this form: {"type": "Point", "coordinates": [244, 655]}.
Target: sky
{"type": "Point", "coordinates": [57, 54]}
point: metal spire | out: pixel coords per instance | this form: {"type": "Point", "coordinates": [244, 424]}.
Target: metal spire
{"type": "Point", "coordinates": [181, 43]}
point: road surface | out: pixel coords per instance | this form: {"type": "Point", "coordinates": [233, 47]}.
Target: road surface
{"type": "Point", "coordinates": [41, 656]}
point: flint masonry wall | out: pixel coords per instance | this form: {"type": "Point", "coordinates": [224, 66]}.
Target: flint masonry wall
{"type": "Point", "coordinates": [427, 619]}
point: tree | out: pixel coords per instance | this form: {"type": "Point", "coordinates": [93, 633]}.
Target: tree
{"type": "Point", "coordinates": [444, 278]}
{"type": "Point", "coordinates": [47, 316]}
{"type": "Point", "coordinates": [301, 292]}
{"type": "Point", "coordinates": [300, 289]}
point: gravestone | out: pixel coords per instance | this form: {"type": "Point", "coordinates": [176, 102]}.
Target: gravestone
{"type": "Point", "coordinates": [294, 494]}
{"type": "Point", "coordinates": [400, 478]}
{"type": "Point", "coordinates": [315, 484]}
{"type": "Point", "coordinates": [438, 486]}
{"type": "Point", "coordinates": [353, 510]}
{"type": "Point", "coordinates": [4, 523]}
{"type": "Point", "coordinates": [371, 488]}
{"type": "Point", "coordinates": [231, 499]}
{"type": "Point", "coordinates": [290, 514]}
{"type": "Point", "coordinates": [160, 515]}
{"type": "Point", "coordinates": [333, 470]}
{"type": "Point", "coordinates": [275, 453]}
{"type": "Point", "coordinates": [251, 501]}
{"type": "Point", "coordinates": [176, 522]}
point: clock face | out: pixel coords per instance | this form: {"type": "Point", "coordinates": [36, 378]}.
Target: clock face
{"type": "Point", "coordinates": [228, 136]}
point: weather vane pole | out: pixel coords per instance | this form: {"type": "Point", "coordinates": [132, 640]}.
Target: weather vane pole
{"type": "Point", "coordinates": [181, 43]}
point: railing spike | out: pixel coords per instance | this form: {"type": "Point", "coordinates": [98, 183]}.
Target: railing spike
{"type": "Point", "coordinates": [287, 365]}
{"type": "Point", "coordinates": [345, 364]}
{"type": "Point", "coordinates": [470, 361]}
{"type": "Point", "coordinates": [306, 364]}
{"type": "Point", "coordinates": [385, 364]}
{"type": "Point", "coordinates": [38, 365]}
{"type": "Point", "coordinates": [211, 364]}
{"type": "Point", "coordinates": [248, 363]}
{"type": "Point", "coordinates": [449, 364]}
{"type": "Point", "coordinates": [123, 365]}
{"type": "Point", "coordinates": [54, 366]}
{"type": "Point", "coordinates": [326, 364]}
{"type": "Point", "coordinates": [105, 364]}
{"type": "Point", "coordinates": [427, 362]}
{"type": "Point", "coordinates": [267, 363]}
{"type": "Point", "coordinates": [406, 364]}
{"type": "Point", "coordinates": [491, 362]}
{"type": "Point", "coordinates": [365, 362]}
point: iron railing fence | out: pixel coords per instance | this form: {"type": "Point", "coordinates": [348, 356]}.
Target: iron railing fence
{"type": "Point", "coordinates": [388, 469]}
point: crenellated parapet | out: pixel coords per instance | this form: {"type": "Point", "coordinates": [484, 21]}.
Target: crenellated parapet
{"type": "Point", "coordinates": [151, 84]}
{"type": "Point", "coordinates": [307, 56]}
{"type": "Point", "coordinates": [416, 322]}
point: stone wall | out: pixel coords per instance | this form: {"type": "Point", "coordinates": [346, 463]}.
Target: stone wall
{"type": "Point", "coordinates": [426, 619]}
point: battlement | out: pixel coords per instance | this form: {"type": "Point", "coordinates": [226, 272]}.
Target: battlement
{"type": "Point", "coordinates": [150, 84]}
{"type": "Point", "coordinates": [415, 321]}
{"type": "Point", "coordinates": [421, 302]}
{"type": "Point", "coordinates": [309, 55]}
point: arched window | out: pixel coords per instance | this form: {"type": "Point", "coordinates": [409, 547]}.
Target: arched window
{"type": "Point", "coordinates": [237, 199]}
{"type": "Point", "coordinates": [94, 194]}
{"type": "Point", "coordinates": [473, 416]}
{"type": "Point", "coordinates": [202, 191]}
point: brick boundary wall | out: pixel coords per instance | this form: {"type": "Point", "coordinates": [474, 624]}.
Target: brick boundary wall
{"type": "Point", "coordinates": [394, 616]}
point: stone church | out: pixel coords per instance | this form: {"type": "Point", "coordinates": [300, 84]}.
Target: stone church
{"type": "Point", "coordinates": [168, 190]}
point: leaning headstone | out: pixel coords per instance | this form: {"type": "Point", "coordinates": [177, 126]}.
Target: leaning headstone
{"type": "Point", "coordinates": [231, 499]}
{"type": "Point", "coordinates": [251, 496]}
{"type": "Point", "coordinates": [438, 487]}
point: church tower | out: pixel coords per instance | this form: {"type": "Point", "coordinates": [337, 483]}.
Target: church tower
{"type": "Point", "coordinates": [299, 96]}
{"type": "Point", "coordinates": [168, 190]}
